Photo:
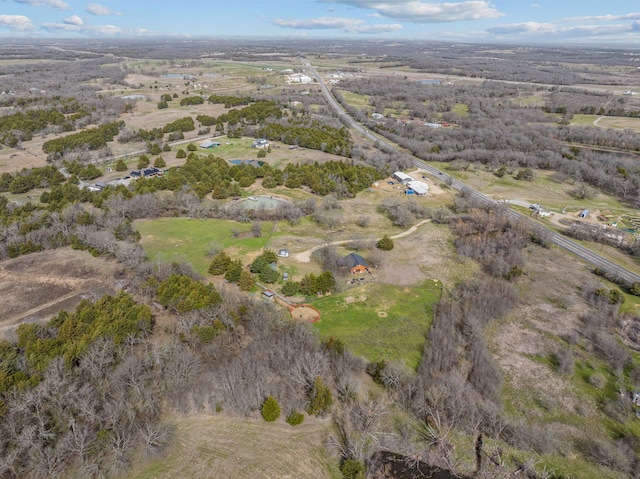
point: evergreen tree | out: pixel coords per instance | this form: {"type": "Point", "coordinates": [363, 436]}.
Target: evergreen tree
{"type": "Point", "coordinates": [294, 418]}
{"type": "Point", "coordinates": [159, 162]}
{"type": "Point", "coordinates": [143, 162]}
{"type": "Point", "coordinates": [220, 263]}
{"type": "Point", "coordinates": [258, 265]}
{"type": "Point", "coordinates": [385, 244]}
{"type": "Point", "coordinates": [320, 398]}
{"type": "Point", "coordinates": [290, 288]}
{"type": "Point", "coordinates": [234, 271]}
{"type": "Point", "coordinates": [121, 165]}
{"type": "Point", "coordinates": [181, 153]}
{"type": "Point", "coordinates": [352, 469]}
{"type": "Point", "coordinates": [271, 409]}
{"type": "Point", "coordinates": [269, 275]}
{"type": "Point", "coordinates": [246, 281]}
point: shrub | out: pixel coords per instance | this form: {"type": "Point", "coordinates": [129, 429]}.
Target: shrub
{"type": "Point", "coordinates": [181, 153]}
{"type": "Point", "coordinates": [143, 162]}
{"type": "Point", "coordinates": [205, 334]}
{"type": "Point", "coordinates": [220, 263]}
{"type": "Point", "coordinates": [246, 281]}
{"type": "Point", "coordinates": [234, 271]}
{"type": "Point", "coordinates": [270, 409]}
{"type": "Point", "coordinates": [320, 398]}
{"type": "Point", "coordinates": [352, 469]}
{"type": "Point", "coordinates": [385, 244]}
{"type": "Point", "coordinates": [121, 165]}
{"type": "Point", "coordinates": [294, 418]}
{"type": "Point", "coordinates": [192, 147]}
{"type": "Point", "coordinates": [290, 288]}
{"type": "Point", "coordinates": [269, 275]}
{"type": "Point", "coordinates": [159, 162]}
{"type": "Point", "coordinates": [162, 105]}
{"type": "Point", "coordinates": [270, 182]}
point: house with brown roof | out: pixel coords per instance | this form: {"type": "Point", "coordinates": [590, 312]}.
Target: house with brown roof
{"type": "Point", "coordinates": [355, 263]}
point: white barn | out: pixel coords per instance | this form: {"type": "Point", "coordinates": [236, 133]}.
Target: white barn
{"type": "Point", "coordinates": [401, 177]}
{"type": "Point", "coordinates": [418, 187]}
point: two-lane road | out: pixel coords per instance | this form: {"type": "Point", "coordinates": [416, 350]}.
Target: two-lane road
{"type": "Point", "coordinates": [616, 271]}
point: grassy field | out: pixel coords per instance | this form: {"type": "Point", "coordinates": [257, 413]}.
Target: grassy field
{"type": "Point", "coordinates": [356, 100]}
{"type": "Point", "coordinates": [184, 239]}
{"type": "Point", "coordinates": [212, 447]}
{"type": "Point", "coordinates": [381, 321]}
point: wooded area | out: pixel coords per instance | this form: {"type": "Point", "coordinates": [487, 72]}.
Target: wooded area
{"type": "Point", "coordinates": [88, 393]}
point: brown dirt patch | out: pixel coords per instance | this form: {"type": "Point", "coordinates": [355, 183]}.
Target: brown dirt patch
{"type": "Point", "coordinates": [37, 286]}
{"type": "Point", "coordinates": [305, 313]}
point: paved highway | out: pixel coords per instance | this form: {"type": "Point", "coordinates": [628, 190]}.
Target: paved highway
{"type": "Point", "coordinates": [616, 271]}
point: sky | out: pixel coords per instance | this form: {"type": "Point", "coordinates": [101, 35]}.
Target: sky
{"type": "Point", "coordinates": [472, 21]}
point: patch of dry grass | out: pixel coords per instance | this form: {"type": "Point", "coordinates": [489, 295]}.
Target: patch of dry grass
{"type": "Point", "coordinates": [212, 447]}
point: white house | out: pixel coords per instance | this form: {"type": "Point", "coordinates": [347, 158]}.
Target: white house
{"type": "Point", "coordinates": [260, 143]}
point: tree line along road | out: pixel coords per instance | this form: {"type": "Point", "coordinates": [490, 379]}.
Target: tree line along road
{"type": "Point", "coordinates": [613, 270]}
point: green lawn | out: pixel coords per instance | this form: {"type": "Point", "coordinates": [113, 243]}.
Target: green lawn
{"type": "Point", "coordinates": [461, 109]}
{"type": "Point", "coordinates": [383, 321]}
{"type": "Point", "coordinates": [184, 239]}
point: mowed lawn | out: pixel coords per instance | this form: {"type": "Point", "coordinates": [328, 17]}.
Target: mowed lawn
{"type": "Point", "coordinates": [380, 321]}
{"type": "Point", "coordinates": [185, 239]}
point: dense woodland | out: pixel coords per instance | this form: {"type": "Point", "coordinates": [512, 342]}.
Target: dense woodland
{"type": "Point", "coordinates": [87, 392]}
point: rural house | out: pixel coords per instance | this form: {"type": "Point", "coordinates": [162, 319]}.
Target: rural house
{"type": "Point", "coordinates": [355, 263]}
{"type": "Point", "coordinates": [260, 143]}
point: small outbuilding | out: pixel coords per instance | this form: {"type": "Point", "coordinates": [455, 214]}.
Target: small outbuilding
{"type": "Point", "coordinates": [209, 144]}
{"type": "Point", "coordinates": [260, 143]}
{"type": "Point", "coordinates": [355, 263]}
{"type": "Point", "coordinates": [268, 295]}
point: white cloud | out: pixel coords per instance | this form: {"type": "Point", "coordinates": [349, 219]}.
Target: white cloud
{"type": "Point", "coordinates": [59, 4]}
{"type": "Point", "coordinates": [552, 31]}
{"type": "Point", "coordinates": [19, 23]}
{"type": "Point", "coordinates": [97, 30]}
{"type": "Point", "coordinates": [535, 5]}
{"type": "Point", "coordinates": [419, 11]}
{"type": "Point", "coordinates": [605, 18]}
{"type": "Point", "coordinates": [73, 20]}
{"type": "Point", "coordinates": [348, 25]}
{"type": "Point", "coordinates": [100, 10]}
{"type": "Point", "coordinates": [318, 23]}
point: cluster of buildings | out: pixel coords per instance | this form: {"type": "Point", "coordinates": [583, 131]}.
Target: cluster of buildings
{"type": "Point", "coordinates": [299, 78]}
{"type": "Point", "coordinates": [414, 187]}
